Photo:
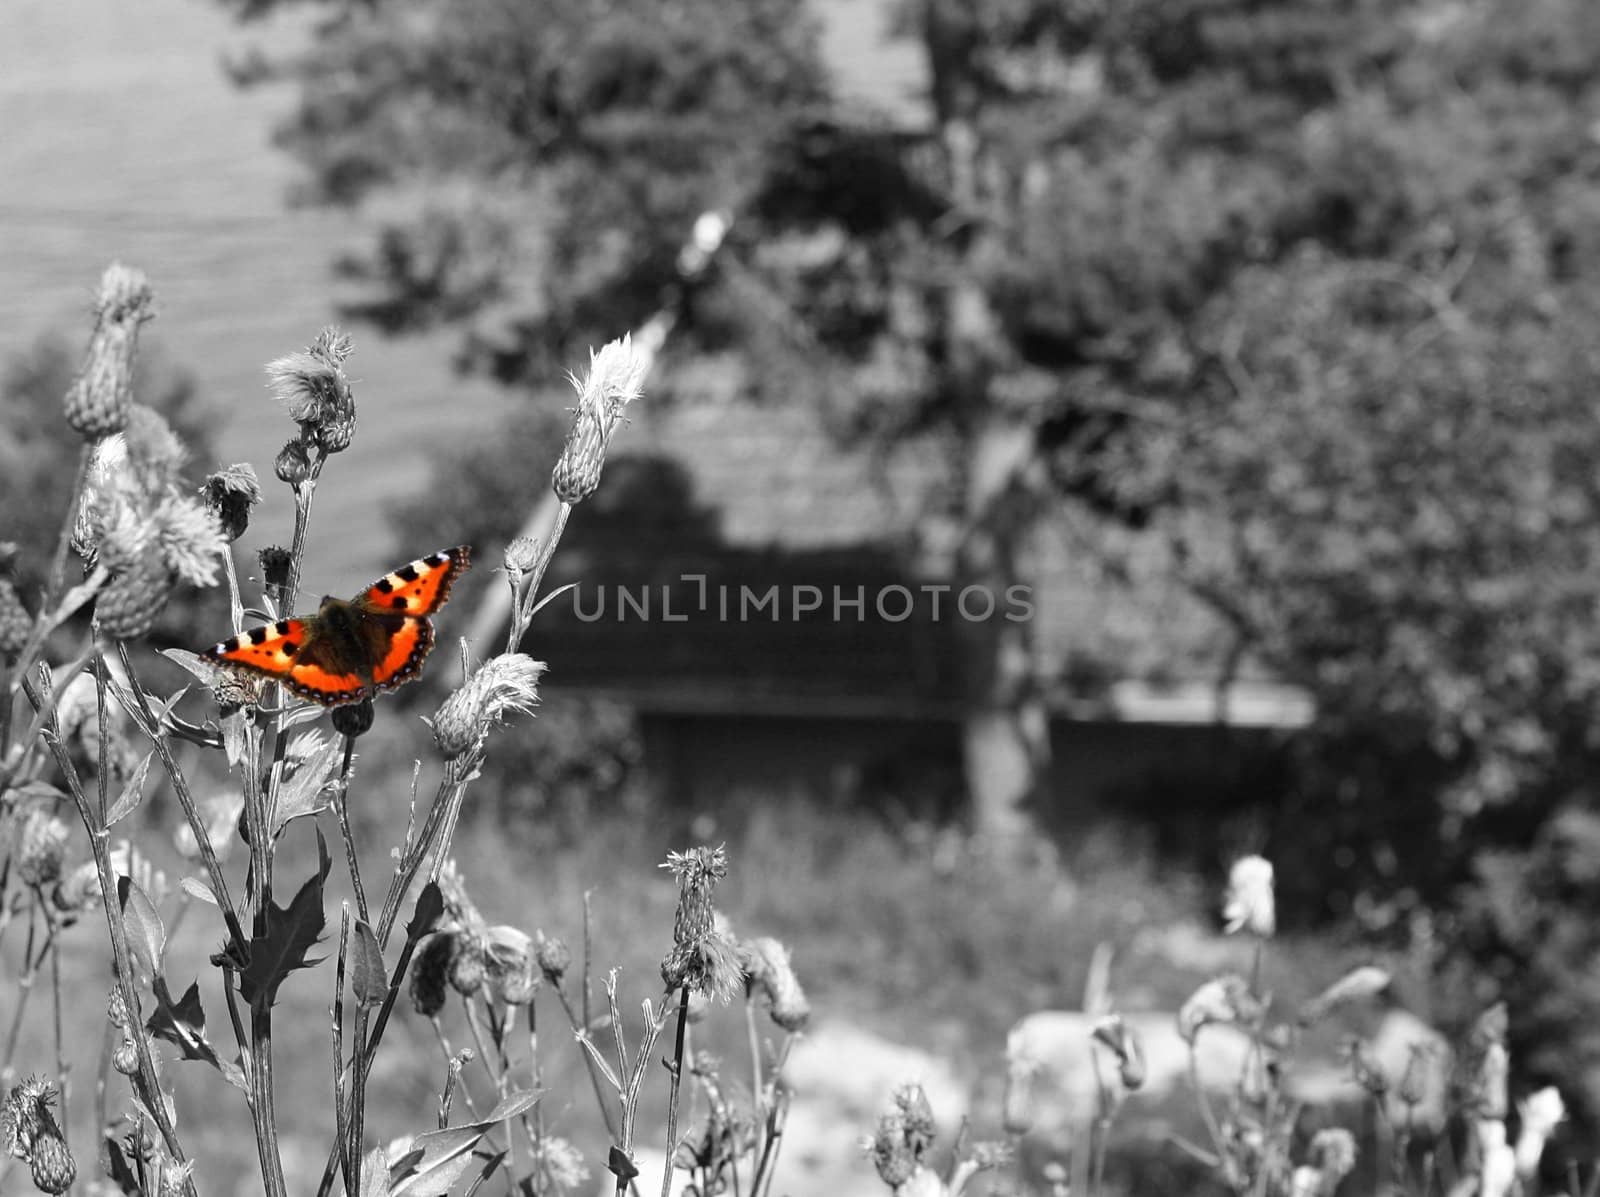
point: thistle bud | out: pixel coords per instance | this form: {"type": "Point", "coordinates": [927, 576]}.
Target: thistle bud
{"type": "Point", "coordinates": [554, 957]}
{"type": "Point", "coordinates": [117, 1007]}
{"type": "Point", "coordinates": [468, 966]}
{"type": "Point", "coordinates": [97, 402]}
{"type": "Point", "coordinates": [293, 463]}
{"type": "Point", "coordinates": [275, 562]}
{"type": "Point", "coordinates": [353, 719]}
{"type": "Point", "coordinates": [521, 554]}
{"type": "Point", "coordinates": [125, 1059]}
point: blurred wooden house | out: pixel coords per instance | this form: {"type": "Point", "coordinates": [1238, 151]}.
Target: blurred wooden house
{"type": "Point", "coordinates": [729, 572]}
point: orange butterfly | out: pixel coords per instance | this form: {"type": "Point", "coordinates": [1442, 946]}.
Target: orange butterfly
{"type": "Point", "coordinates": [351, 649]}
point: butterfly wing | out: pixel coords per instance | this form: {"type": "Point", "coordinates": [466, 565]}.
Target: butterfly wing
{"type": "Point", "coordinates": [420, 588]}
{"type": "Point", "coordinates": [279, 651]}
{"type": "Point", "coordinates": [376, 641]}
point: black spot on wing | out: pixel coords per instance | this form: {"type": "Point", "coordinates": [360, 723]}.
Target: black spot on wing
{"type": "Point", "coordinates": [258, 635]}
{"type": "Point", "coordinates": [383, 586]}
{"type": "Point", "coordinates": [407, 573]}
{"type": "Point", "coordinates": [281, 627]}
{"type": "Point", "coordinates": [399, 603]}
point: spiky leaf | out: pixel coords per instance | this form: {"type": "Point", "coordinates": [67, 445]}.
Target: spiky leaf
{"type": "Point", "coordinates": [291, 932]}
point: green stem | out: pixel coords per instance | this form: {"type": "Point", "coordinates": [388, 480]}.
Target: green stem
{"type": "Point", "coordinates": [677, 1085]}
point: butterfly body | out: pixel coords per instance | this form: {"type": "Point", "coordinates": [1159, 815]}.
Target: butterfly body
{"type": "Point", "coordinates": [352, 648]}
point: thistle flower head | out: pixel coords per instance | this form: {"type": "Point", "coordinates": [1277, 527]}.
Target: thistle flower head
{"type": "Point", "coordinates": [313, 386]}
{"type": "Point", "coordinates": [25, 1115]}
{"type": "Point", "coordinates": [1249, 903]}
{"type": "Point", "coordinates": [231, 493]}
{"type": "Point", "coordinates": [616, 374]}
{"type": "Point", "coordinates": [97, 402]}
{"type": "Point", "coordinates": [703, 957]}
{"type": "Point", "coordinates": [190, 539]}
{"type": "Point", "coordinates": [503, 685]}
{"type": "Point", "coordinates": [521, 553]}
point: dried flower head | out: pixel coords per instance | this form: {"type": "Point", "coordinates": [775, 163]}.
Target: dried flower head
{"type": "Point", "coordinates": [514, 975]}
{"type": "Point", "coordinates": [313, 386]}
{"type": "Point", "coordinates": [469, 965]}
{"type": "Point", "coordinates": [97, 402]}
{"type": "Point", "coordinates": [615, 376]}
{"type": "Point", "coordinates": [25, 1115]}
{"type": "Point", "coordinates": [430, 972]}
{"type": "Point", "coordinates": [917, 1118]}
{"type": "Point", "coordinates": [41, 847]}
{"type": "Point", "coordinates": [190, 540]}
{"type": "Point", "coordinates": [502, 685]}
{"type": "Point", "coordinates": [1249, 903]}
{"type": "Point", "coordinates": [1224, 999]}
{"type": "Point", "coordinates": [769, 974]}
{"type": "Point", "coordinates": [890, 1155]}
{"type": "Point", "coordinates": [703, 957]}
{"type": "Point", "coordinates": [231, 493]}
{"type": "Point", "coordinates": [276, 563]}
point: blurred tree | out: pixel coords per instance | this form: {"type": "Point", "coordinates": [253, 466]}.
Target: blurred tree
{"type": "Point", "coordinates": [1298, 287]}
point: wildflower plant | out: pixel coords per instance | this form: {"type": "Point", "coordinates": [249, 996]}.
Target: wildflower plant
{"type": "Point", "coordinates": [84, 736]}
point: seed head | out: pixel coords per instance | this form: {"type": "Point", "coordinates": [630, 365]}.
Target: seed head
{"type": "Point", "coordinates": [614, 379]}
{"type": "Point", "coordinates": [231, 493]}
{"type": "Point", "coordinates": [502, 685]}
{"type": "Point", "coordinates": [42, 845]}
{"type": "Point", "coordinates": [769, 973]}
{"type": "Point", "coordinates": [97, 402]}
{"type": "Point", "coordinates": [521, 553]}
{"type": "Point", "coordinates": [1249, 904]}
{"type": "Point", "coordinates": [429, 974]}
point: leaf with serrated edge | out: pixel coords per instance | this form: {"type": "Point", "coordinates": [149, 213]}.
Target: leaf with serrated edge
{"type": "Point", "coordinates": [132, 793]}
{"type": "Point", "coordinates": [446, 1154]}
{"type": "Point", "coordinates": [182, 1022]}
{"type": "Point", "coordinates": [292, 931]}
{"type": "Point", "coordinates": [369, 980]}
{"type": "Point", "coordinates": [147, 937]}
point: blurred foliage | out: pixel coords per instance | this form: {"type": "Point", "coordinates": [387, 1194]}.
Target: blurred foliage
{"type": "Point", "coordinates": [1305, 290]}
{"type": "Point", "coordinates": [39, 457]}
